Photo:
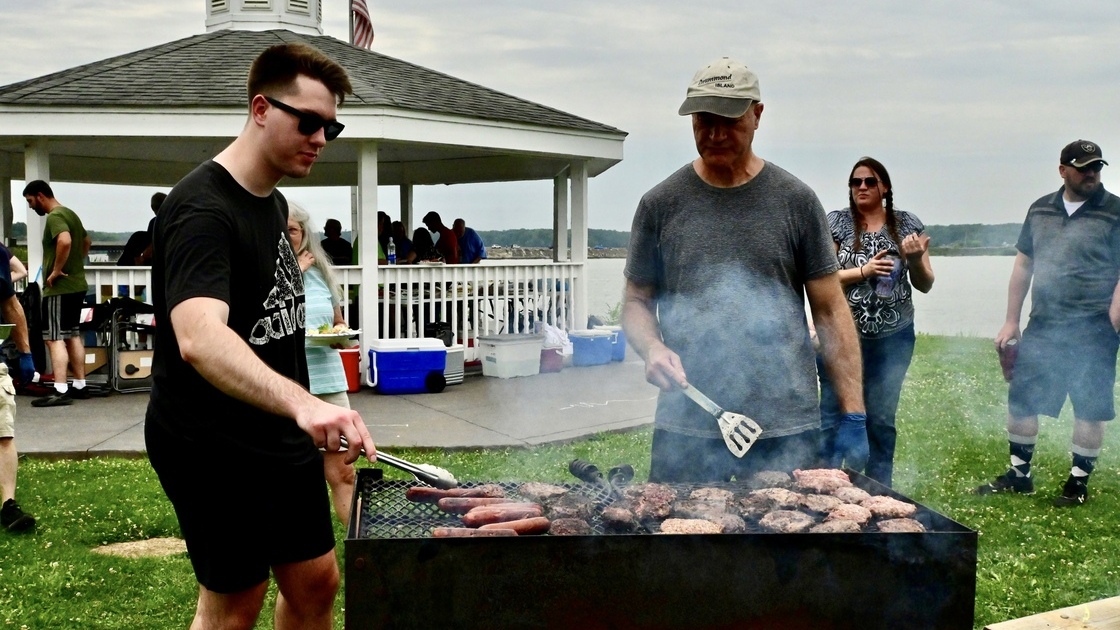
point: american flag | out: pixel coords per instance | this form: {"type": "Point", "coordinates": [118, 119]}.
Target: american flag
{"type": "Point", "coordinates": [362, 33]}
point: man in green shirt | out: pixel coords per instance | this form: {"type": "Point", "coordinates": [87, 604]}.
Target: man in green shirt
{"type": "Point", "coordinates": [65, 246]}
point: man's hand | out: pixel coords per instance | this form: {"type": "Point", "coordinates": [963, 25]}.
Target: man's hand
{"type": "Point", "coordinates": [326, 423]}
{"type": "Point", "coordinates": [1009, 331]}
{"type": "Point", "coordinates": [26, 368]}
{"type": "Point", "coordinates": [851, 442]}
{"type": "Point", "coordinates": [55, 275]}
{"type": "Point", "coordinates": [664, 369]}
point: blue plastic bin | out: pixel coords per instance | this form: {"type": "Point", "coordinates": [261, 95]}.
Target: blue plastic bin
{"type": "Point", "coordinates": [591, 347]}
{"type": "Point", "coordinates": [407, 366]}
{"type": "Point", "coordinates": [618, 342]}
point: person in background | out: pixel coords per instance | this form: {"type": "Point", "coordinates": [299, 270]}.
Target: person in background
{"type": "Point", "coordinates": [1069, 259]}
{"type": "Point", "coordinates": [722, 254]}
{"type": "Point", "coordinates": [15, 266]}
{"type": "Point", "coordinates": [384, 232]}
{"type": "Point", "coordinates": [471, 248]}
{"type": "Point", "coordinates": [423, 248]}
{"type": "Point", "coordinates": [326, 374]}
{"type": "Point", "coordinates": [156, 202]}
{"type": "Point", "coordinates": [65, 247]}
{"type": "Point", "coordinates": [882, 252]}
{"type": "Point", "coordinates": [338, 248]}
{"type": "Point", "coordinates": [12, 517]}
{"type": "Point", "coordinates": [405, 255]}
{"type": "Point", "coordinates": [133, 252]}
{"type": "Point", "coordinates": [447, 243]}
{"type": "Point", "coordinates": [231, 430]}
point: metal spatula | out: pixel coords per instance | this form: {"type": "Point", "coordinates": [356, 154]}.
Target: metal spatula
{"type": "Point", "coordinates": [739, 431]}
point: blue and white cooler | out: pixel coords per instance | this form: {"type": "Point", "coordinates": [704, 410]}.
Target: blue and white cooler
{"type": "Point", "coordinates": [407, 366]}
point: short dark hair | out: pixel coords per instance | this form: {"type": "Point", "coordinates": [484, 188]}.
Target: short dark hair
{"type": "Point", "coordinates": [274, 71]}
{"type": "Point", "coordinates": [157, 201]}
{"type": "Point", "coordinates": [332, 223]}
{"type": "Point", "coordinates": [38, 187]}
{"type": "Point", "coordinates": [432, 216]}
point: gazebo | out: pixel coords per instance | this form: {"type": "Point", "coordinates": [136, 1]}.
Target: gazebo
{"type": "Point", "coordinates": [149, 117]}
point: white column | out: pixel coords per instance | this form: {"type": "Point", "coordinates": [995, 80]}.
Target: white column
{"type": "Point", "coordinates": [579, 239]}
{"type": "Point", "coordinates": [36, 165]}
{"type": "Point", "coordinates": [354, 228]}
{"type": "Point", "coordinates": [5, 208]}
{"type": "Point", "coordinates": [406, 209]}
{"type": "Point", "coordinates": [367, 248]}
{"type": "Point", "coordinates": [560, 217]}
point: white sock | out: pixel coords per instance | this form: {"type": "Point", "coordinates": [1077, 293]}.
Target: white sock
{"type": "Point", "coordinates": [79, 383]}
{"type": "Point", "coordinates": [61, 387]}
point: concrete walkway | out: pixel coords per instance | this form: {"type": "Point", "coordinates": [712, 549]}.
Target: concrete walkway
{"type": "Point", "coordinates": [480, 412]}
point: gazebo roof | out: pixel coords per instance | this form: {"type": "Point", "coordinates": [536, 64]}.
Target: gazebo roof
{"type": "Point", "coordinates": [210, 69]}
{"type": "Point", "coordinates": [150, 116]}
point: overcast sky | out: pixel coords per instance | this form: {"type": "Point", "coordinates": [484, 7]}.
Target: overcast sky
{"type": "Point", "coordinates": [967, 103]}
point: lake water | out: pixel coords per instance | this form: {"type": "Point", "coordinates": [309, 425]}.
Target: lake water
{"type": "Point", "coordinates": [969, 295]}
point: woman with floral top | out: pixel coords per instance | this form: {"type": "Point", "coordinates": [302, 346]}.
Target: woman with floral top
{"type": "Point", "coordinates": [883, 252]}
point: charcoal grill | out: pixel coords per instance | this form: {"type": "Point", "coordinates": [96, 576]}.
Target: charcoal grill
{"type": "Point", "coordinates": [397, 576]}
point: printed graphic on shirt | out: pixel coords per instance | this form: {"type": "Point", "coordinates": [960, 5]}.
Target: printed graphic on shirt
{"type": "Point", "coordinates": [283, 316]}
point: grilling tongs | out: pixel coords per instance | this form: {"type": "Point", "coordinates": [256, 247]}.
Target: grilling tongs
{"type": "Point", "coordinates": [432, 475]}
{"type": "Point", "coordinates": [739, 431]}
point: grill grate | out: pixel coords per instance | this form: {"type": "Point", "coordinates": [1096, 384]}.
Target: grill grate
{"type": "Point", "coordinates": [384, 512]}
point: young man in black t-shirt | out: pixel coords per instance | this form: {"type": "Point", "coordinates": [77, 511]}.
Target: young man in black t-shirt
{"type": "Point", "coordinates": [231, 429]}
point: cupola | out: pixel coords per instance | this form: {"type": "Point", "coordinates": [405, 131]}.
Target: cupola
{"type": "Point", "coordinates": [298, 16]}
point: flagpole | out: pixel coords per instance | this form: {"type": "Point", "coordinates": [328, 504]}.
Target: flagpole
{"type": "Point", "coordinates": [350, 12]}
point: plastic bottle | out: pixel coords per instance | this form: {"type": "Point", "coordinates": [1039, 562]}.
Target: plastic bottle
{"type": "Point", "coordinates": [391, 255]}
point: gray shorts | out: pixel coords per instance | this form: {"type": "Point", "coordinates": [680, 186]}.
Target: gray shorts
{"type": "Point", "coordinates": [1070, 359]}
{"type": "Point", "coordinates": [61, 315]}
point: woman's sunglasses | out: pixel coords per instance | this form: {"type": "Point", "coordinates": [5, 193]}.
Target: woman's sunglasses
{"type": "Point", "coordinates": [310, 122]}
{"type": "Point", "coordinates": [870, 182]}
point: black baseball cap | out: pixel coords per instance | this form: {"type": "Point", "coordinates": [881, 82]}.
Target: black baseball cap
{"type": "Point", "coordinates": [1080, 153]}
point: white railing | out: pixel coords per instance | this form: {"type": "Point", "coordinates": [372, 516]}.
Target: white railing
{"type": "Point", "coordinates": [472, 300]}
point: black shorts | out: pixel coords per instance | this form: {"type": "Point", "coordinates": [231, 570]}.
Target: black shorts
{"type": "Point", "coordinates": [678, 458]}
{"type": "Point", "coordinates": [241, 514]}
{"type": "Point", "coordinates": [1078, 360]}
{"type": "Point", "coordinates": [61, 314]}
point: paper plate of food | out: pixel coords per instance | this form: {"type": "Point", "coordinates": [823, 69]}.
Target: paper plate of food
{"type": "Point", "coordinates": [329, 335]}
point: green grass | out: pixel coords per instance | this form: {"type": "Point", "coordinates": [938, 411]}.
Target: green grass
{"type": "Point", "coordinates": [1032, 557]}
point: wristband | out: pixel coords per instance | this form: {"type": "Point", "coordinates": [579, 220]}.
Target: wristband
{"type": "Point", "coordinates": [861, 272]}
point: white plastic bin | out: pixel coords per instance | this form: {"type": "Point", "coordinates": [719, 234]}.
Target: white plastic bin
{"type": "Point", "coordinates": [454, 371]}
{"type": "Point", "coordinates": [507, 356]}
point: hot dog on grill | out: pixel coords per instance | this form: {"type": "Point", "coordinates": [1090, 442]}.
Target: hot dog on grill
{"type": "Point", "coordinates": [462, 505]}
{"type": "Point", "coordinates": [533, 525]}
{"type": "Point", "coordinates": [423, 494]}
{"type": "Point", "coordinates": [488, 514]}
{"type": "Point", "coordinates": [467, 532]}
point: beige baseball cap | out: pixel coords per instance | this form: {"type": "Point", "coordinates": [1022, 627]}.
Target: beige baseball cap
{"type": "Point", "coordinates": [724, 87]}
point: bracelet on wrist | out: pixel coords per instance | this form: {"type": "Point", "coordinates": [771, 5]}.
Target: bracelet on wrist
{"type": "Point", "coordinates": [861, 275]}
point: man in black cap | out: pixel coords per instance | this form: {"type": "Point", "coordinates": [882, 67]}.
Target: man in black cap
{"type": "Point", "coordinates": [1070, 248]}
{"type": "Point", "coordinates": [722, 257]}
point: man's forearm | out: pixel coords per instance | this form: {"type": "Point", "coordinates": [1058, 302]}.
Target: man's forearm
{"type": "Point", "coordinates": [226, 361]}
{"type": "Point", "coordinates": [640, 324]}
{"type": "Point", "coordinates": [841, 356]}
{"type": "Point", "coordinates": [13, 314]}
{"type": "Point", "coordinates": [1017, 288]}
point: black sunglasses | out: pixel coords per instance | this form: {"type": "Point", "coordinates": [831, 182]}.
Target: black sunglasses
{"type": "Point", "coordinates": [310, 122]}
{"type": "Point", "coordinates": [1095, 167]}
{"type": "Point", "coordinates": [870, 182]}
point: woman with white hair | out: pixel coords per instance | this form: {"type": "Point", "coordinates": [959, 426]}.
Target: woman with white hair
{"type": "Point", "coordinates": [327, 376]}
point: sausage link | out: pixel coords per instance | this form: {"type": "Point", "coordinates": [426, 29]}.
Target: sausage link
{"type": "Point", "coordinates": [467, 532]}
{"type": "Point", "coordinates": [488, 514]}
{"type": "Point", "coordinates": [526, 526]}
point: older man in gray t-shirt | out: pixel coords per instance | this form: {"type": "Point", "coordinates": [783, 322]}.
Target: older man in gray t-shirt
{"type": "Point", "coordinates": [722, 256]}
